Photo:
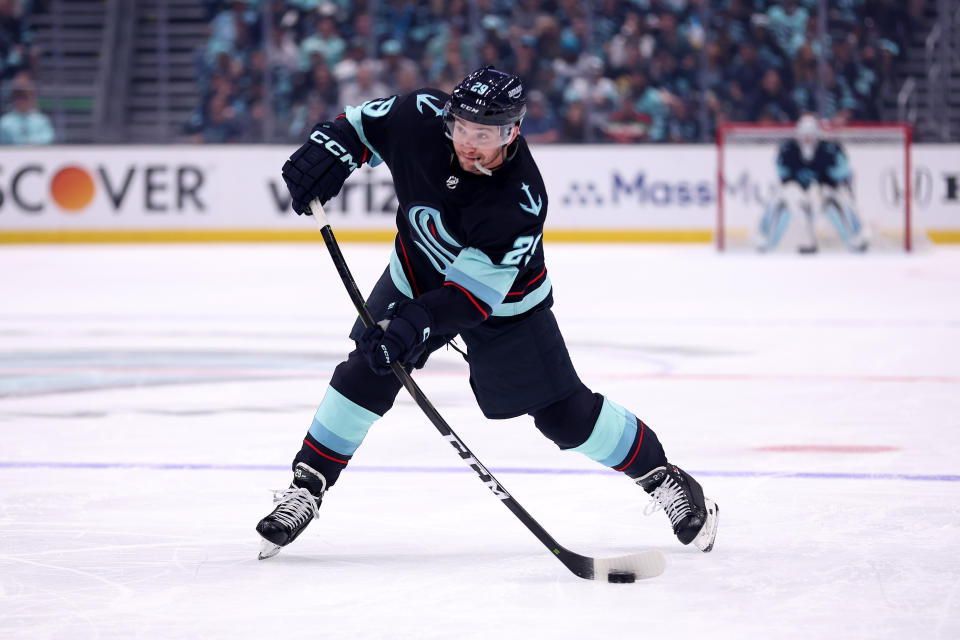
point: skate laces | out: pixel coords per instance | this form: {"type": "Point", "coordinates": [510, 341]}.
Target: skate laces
{"type": "Point", "coordinates": [297, 506]}
{"type": "Point", "coordinates": [672, 498]}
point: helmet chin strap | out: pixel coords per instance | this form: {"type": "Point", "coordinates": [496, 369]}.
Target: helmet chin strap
{"type": "Point", "coordinates": [482, 169]}
{"type": "Point", "coordinates": [505, 156]}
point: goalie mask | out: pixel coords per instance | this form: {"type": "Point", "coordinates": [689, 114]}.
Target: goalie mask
{"type": "Point", "coordinates": [808, 134]}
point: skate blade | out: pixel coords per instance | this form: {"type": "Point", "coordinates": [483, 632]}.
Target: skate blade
{"type": "Point", "coordinates": [708, 534]}
{"type": "Point", "coordinates": [268, 550]}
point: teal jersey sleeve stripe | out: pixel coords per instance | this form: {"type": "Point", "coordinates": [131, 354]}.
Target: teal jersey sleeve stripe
{"type": "Point", "coordinates": [474, 271]}
{"type": "Point", "coordinates": [341, 423]}
{"type": "Point", "coordinates": [491, 296]}
{"type": "Point", "coordinates": [612, 435]}
{"type": "Point", "coordinates": [529, 301]}
{"type": "Point", "coordinates": [398, 276]}
{"type": "Point", "coordinates": [354, 117]}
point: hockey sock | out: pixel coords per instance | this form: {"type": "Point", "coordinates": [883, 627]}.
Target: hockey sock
{"type": "Point", "coordinates": [623, 442]}
{"type": "Point", "coordinates": [355, 399]}
{"type": "Point", "coordinates": [338, 429]}
{"type": "Point", "coordinates": [646, 453]}
{"type": "Point", "coordinates": [602, 430]}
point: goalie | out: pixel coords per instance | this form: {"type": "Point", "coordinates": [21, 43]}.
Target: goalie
{"type": "Point", "coordinates": [814, 175]}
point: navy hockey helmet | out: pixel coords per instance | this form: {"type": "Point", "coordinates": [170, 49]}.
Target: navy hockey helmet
{"type": "Point", "coordinates": [488, 97]}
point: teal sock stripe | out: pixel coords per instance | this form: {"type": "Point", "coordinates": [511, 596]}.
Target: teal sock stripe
{"type": "Point", "coordinates": [612, 435]}
{"type": "Point", "coordinates": [341, 424]}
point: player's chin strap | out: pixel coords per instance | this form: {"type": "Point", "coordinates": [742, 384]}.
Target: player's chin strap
{"type": "Point", "coordinates": [507, 152]}
{"type": "Point", "coordinates": [482, 169]}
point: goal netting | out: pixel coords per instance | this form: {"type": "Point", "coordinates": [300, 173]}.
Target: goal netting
{"type": "Point", "coordinates": [748, 184]}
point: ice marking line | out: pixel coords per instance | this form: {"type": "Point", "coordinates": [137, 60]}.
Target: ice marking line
{"type": "Point", "coordinates": [778, 377]}
{"type": "Point", "coordinates": [212, 376]}
{"type": "Point", "coordinates": [828, 448]}
{"type": "Point", "coordinates": [200, 466]}
{"type": "Point", "coordinates": [220, 319]}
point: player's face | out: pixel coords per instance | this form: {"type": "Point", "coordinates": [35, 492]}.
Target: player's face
{"type": "Point", "coordinates": [478, 143]}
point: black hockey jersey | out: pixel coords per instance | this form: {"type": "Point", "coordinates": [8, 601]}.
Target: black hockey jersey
{"type": "Point", "coordinates": [829, 164]}
{"type": "Point", "coordinates": [464, 241]}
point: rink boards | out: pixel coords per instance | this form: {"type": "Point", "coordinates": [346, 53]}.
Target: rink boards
{"type": "Point", "coordinates": [600, 193]}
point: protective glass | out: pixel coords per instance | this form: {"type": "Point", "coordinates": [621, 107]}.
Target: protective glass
{"type": "Point", "coordinates": [477, 136]}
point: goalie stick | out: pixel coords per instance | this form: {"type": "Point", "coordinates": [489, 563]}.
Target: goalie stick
{"type": "Point", "coordinates": [646, 564]}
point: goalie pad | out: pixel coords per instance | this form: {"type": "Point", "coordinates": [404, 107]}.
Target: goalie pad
{"type": "Point", "coordinates": [791, 199]}
{"type": "Point", "coordinates": [838, 206]}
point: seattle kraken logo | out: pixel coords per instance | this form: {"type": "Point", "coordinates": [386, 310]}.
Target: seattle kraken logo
{"type": "Point", "coordinates": [534, 206]}
{"type": "Point", "coordinates": [429, 101]}
{"type": "Point", "coordinates": [435, 242]}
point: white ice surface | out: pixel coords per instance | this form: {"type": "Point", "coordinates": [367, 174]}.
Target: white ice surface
{"type": "Point", "coordinates": [150, 397]}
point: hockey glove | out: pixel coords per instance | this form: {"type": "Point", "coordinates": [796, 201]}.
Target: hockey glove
{"type": "Point", "coordinates": [319, 168]}
{"type": "Point", "coordinates": [400, 338]}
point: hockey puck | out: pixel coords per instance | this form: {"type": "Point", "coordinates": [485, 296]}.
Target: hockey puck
{"type": "Point", "coordinates": [621, 576]}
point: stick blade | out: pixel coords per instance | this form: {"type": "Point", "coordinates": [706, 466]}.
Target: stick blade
{"type": "Point", "coordinates": [644, 565]}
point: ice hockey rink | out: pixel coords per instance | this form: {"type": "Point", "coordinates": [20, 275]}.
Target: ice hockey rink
{"type": "Point", "coordinates": [151, 397]}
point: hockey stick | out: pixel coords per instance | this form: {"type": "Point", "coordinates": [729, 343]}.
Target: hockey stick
{"type": "Point", "coordinates": [647, 564]}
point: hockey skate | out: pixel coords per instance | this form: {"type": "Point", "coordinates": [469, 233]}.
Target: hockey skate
{"type": "Point", "coordinates": [694, 518]}
{"type": "Point", "coordinates": [296, 507]}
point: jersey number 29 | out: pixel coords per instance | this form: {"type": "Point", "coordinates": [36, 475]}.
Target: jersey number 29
{"type": "Point", "coordinates": [524, 246]}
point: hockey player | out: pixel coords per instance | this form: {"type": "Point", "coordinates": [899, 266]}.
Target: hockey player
{"type": "Point", "coordinates": [468, 260]}
{"type": "Point", "coordinates": [814, 174]}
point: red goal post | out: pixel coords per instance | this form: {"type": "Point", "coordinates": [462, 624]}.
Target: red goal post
{"type": "Point", "coordinates": [879, 154]}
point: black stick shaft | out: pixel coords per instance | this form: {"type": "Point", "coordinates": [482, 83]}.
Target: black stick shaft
{"type": "Point", "coordinates": [580, 565]}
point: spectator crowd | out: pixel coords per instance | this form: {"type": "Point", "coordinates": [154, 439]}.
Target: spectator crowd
{"type": "Point", "coordinates": [21, 122]}
{"type": "Point", "coordinates": [594, 70]}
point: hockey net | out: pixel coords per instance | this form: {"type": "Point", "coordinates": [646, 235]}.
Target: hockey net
{"type": "Point", "coordinates": [747, 183]}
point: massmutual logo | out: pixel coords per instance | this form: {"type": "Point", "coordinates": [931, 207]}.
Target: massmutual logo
{"type": "Point", "coordinates": [36, 188]}
{"type": "Point", "coordinates": [638, 188]}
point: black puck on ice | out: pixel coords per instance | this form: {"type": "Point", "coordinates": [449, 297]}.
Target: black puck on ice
{"type": "Point", "coordinates": [621, 576]}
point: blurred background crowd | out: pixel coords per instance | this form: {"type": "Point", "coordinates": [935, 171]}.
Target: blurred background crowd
{"type": "Point", "coordinates": [609, 71]}
{"type": "Point", "coordinates": [619, 71]}
{"type": "Point", "coordinates": [21, 122]}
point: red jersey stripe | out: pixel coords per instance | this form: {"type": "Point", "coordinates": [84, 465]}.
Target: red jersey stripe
{"type": "Point", "coordinates": [472, 299]}
{"type": "Point", "coordinates": [524, 290]}
{"type": "Point", "coordinates": [416, 290]}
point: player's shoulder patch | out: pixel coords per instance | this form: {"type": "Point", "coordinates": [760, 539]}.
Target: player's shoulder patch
{"type": "Point", "coordinates": [428, 102]}
{"type": "Point", "coordinates": [377, 108]}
